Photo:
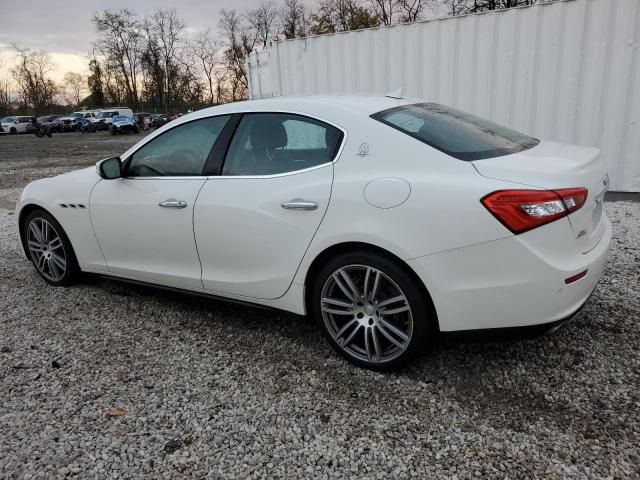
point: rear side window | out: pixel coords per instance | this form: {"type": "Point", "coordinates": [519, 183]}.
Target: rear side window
{"type": "Point", "coordinates": [456, 133]}
{"type": "Point", "coordinates": [273, 143]}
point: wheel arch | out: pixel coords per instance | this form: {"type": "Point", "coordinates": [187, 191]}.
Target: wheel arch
{"type": "Point", "coordinates": [345, 247]}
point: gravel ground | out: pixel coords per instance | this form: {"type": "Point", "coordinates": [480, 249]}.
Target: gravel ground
{"type": "Point", "coordinates": [106, 380]}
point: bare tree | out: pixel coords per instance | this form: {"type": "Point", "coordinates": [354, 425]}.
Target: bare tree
{"type": "Point", "coordinates": [239, 40]}
{"type": "Point", "coordinates": [74, 84]}
{"type": "Point", "coordinates": [411, 10]}
{"type": "Point", "coordinates": [31, 74]}
{"type": "Point", "coordinates": [165, 28]}
{"type": "Point", "coordinates": [384, 10]}
{"type": "Point", "coordinates": [293, 19]}
{"type": "Point", "coordinates": [463, 7]}
{"type": "Point", "coordinates": [120, 41]}
{"type": "Point", "coordinates": [95, 80]}
{"type": "Point", "coordinates": [340, 16]}
{"type": "Point", "coordinates": [262, 20]}
{"type": "Point", "coordinates": [205, 51]}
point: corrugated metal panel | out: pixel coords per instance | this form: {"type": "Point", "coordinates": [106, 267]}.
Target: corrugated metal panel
{"type": "Point", "coordinates": [566, 71]}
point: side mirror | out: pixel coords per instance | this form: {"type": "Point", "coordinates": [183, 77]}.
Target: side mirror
{"type": "Point", "coordinates": [109, 168]}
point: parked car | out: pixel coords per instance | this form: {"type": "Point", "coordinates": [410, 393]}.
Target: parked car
{"type": "Point", "coordinates": [390, 222]}
{"type": "Point", "coordinates": [87, 125]}
{"type": "Point", "coordinates": [72, 122]}
{"type": "Point", "coordinates": [49, 122]}
{"type": "Point", "coordinates": [19, 124]}
{"type": "Point", "coordinates": [108, 113]}
{"type": "Point", "coordinates": [6, 123]}
{"type": "Point", "coordinates": [141, 118]}
{"type": "Point", "coordinates": [122, 124]}
{"type": "Point", "coordinates": [157, 120]}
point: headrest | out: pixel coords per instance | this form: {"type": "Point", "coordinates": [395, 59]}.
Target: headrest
{"type": "Point", "coordinates": [267, 134]}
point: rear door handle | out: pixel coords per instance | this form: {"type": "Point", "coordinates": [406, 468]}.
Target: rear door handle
{"type": "Point", "coordinates": [171, 203]}
{"type": "Point", "coordinates": [298, 204]}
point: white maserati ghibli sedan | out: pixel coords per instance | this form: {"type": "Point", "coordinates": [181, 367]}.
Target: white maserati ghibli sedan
{"type": "Point", "coordinates": [390, 221]}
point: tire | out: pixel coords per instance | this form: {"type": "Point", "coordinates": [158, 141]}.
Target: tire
{"type": "Point", "coordinates": [48, 263]}
{"type": "Point", "coordinates": [113, 131]}
{"type": "Point", "coordinates": [13, 131]}
{"type": "Point", "coordinates": [359, 330]}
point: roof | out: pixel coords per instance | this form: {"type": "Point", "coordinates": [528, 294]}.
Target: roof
{"type": "Point", "coordinates": [365, 103]}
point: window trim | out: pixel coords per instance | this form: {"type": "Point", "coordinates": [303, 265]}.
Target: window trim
{"type": "Point", "coordinates": [127, 161]}
{"type": "Point", "coordinates": [334, 158]}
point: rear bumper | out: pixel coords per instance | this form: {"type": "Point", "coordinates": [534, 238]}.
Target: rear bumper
{"type": "Point", "coordinates": [510, 333]}
{"type": "Point", "coordinates": [508, 284]}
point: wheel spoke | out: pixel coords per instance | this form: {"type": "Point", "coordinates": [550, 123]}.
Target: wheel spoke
{"type": "Point", "coordinates": [346, 327]}
{"type": "Point", "coordinates": [351, 335]}
{"type": "Point", "coordinates": [35, 246]}
{"type": "Point", "coordinates": [55, 244]}
{"type": "Point", "coordinates": [35, 231]}
{"type": "Point", "coordinates": [367, 345]}
{"type": "Point", "coordinates": [388, 336]}
{"type": "Point", "coordinates": [336, 302]}
{"type": "Point", "coordinates": [376, 343]}
{"type": "Point", "coordinates": [53, 268]}
{"type": "Point", "coordinates": [365, 287]}
{"type": "Point", "coordinates": [354, 291]}
{"type": "Point", "coordinates": [41, 262]}
{"type": "Point", "coordinates": [343, 288]}
{"type": "Point", "coordinates": [336, 312]}
{"type": "Point", "coordinates": [395, 330]}
{"type": "Point", "coordinates": [395, 310]}
{"type": "Point", "coordinates": [59, 261]}
{"type": "Point", "coordinates": [392, 300]}
{"type": "Point", "coordinates": [45, 231]}
{"type": "Point", "coordinates": [376, 283]}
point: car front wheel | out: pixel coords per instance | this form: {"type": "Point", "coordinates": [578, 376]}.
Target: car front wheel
{"type": "Point", "coordinates": [371, 310]}
{"type": "Point", "coordinates": [49, 249]}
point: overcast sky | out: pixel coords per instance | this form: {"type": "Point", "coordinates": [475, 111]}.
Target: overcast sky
{"type": "Point", "coordinates": [64, 28]}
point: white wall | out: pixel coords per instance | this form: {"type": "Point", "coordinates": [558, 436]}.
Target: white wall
{"type": "Point", "coordinates": [566, 71]}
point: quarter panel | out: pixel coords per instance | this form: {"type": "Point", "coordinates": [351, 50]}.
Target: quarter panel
{"type": "Point", "coordinates": [443, 211]}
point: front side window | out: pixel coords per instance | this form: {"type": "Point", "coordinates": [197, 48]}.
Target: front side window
{"type": "Point", "coordinates": [272, 143]}
{"type": "Point", "coordinates": [456, 133]}
{"type": "Point", "coordinates": [181, 151]}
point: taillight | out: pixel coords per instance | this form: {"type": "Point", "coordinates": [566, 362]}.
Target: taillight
{"type": "Point", "coordinates": [524, 210]}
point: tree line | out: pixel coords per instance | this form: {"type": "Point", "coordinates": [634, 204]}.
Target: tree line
{"type": "Point", "coordinates": [152, 63]}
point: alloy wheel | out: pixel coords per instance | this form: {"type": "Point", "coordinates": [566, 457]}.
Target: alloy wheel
{"type": "Point", "coordinates": [46, 249]}
{"type": "Point", "coordinates": [366, 313]}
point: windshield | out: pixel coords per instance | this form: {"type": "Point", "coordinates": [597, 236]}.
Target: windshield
{"type": "Point", "coordinates": [120, 118]}
{"type": "Point", "coordinates": [456, 133]}
{"type": "Point", "coordinates": [8, 120]}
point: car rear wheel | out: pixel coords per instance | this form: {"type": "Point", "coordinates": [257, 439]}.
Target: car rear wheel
{"type": "Point", "coordinates": [371, 310]}
{"type": "Point", "coordinates": [49, 249]}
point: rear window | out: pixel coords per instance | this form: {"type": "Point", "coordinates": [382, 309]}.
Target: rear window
{"type": "Point", "coordinates": [458, 134]}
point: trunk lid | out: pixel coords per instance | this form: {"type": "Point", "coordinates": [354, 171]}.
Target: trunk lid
{"type": "Point", "coordinates": [552, 166]}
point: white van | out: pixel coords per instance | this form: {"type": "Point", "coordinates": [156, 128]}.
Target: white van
{"type": "Point", "coordinates": [108, 113]}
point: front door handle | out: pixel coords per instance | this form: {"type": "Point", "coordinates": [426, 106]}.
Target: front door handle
{"type": "Point", "coordinates": [171, 203]}
{"type": "Point", "coordinates": [298, 204]}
